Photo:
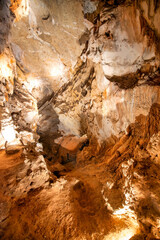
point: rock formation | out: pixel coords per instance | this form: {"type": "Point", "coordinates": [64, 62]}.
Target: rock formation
{"type": "Point", "coordinates": [80, 119]}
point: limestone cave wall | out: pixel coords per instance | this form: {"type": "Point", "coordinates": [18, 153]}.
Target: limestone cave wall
{"type": "Point", "coordinates": [80, 119]}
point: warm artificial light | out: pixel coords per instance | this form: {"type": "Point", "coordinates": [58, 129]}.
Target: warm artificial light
{"type": "Point", "coordinates": [32, 82]}
{"type": "Point", "coordinates": [5, 70]}
{"type": "Point", "coordinates": [125, 234]}
{"type": "Point", "coordinates": [57, 70]}
{"type": "Point", "coordinates": [8, 133]}
{"type": "Point", "coordinates": [20, 8]}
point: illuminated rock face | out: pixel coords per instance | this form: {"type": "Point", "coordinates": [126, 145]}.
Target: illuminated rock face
{"type": "Point", "coordinates": [48, 36]}
{"type": "Point", "coordinates": [113, 86]}
{"type": "Point", "coordinates": [120, 53]}
{"type": "Point", "coordinates": [82, 78]}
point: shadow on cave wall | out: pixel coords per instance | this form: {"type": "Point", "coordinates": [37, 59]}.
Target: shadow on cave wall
{"type": "Point", "coordinates": [6, 18]}
{"type": "Point", "coordinates": [47, 129]}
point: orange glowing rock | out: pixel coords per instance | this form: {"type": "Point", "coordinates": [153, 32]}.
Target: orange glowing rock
{"type": "Point", "coordinates": [6, 97]}
{"type": "Point", "coordinates": [15, 4]}
{"type": "Point", "coordinates": [105, 94]}
{"type": "Point", "coordinates": [19, 8]}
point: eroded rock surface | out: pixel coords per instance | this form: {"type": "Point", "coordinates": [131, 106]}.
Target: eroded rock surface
{"type": "Point", "coordinates": [80, 120]}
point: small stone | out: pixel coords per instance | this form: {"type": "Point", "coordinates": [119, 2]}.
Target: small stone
{"type": "Point", "coordinates": [84, 92]}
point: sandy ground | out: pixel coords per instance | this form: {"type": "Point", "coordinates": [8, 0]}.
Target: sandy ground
{"type": "Point", "coordinates": [73, 207]}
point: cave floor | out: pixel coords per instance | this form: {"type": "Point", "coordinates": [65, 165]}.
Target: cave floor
{"type": "Point", "coordinates": [72, 207]}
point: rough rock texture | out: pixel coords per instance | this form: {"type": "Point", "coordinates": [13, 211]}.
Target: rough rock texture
{"type": "Point", "coordinates": [5, 23]}
{"type": "Point", "coordinates": [48, 33]}
{"type": "Point", "coordinates": [82, 78]}
{"type": "Point", "coordinates": [110, 86]}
